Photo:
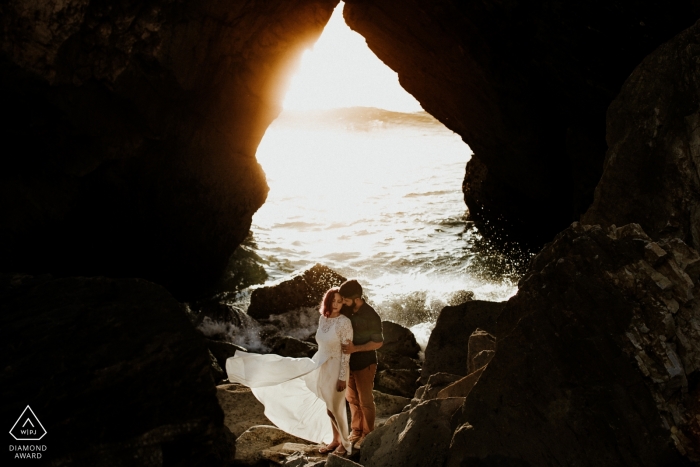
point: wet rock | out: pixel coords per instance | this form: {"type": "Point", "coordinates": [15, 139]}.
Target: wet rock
{"type": "Point", "coordinates": [650, 174]}
{"type": "Point", "coordinates": [241, 409]}
{"type": "Point", "coordinates": [290, 347]}
{"type": "Point", "coordinates": [303, 290]}
{"type": "Point", "coordinates": [459, 297]}
{"type": "Point", "coordinates": [448, 347]}
{"type": "Point", "coordinates": [399, 340]}
{"type": "Point", "coordinates": [388, 404]}
{"type": "Point", "coordinates": [419, 437]}
{"type": "Point", "coordinates": [481, 349]}
{"type": "Point", "coordinates": [128, 374]}
{"type": "Point", "coordinates": [226, 323]}
{"type": "Point", "coordinates": [251, 443]}
{"type": "Point", "coordinates": [397, 382]}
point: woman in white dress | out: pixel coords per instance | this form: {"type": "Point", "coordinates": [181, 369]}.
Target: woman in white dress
{"type": "Point", "coordinates": [301, 394]}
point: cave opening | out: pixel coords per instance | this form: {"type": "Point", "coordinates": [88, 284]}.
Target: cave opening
{"type": "Point", "coordinates": [366, 182]}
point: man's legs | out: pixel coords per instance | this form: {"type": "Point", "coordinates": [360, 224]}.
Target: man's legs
{"type": "Point", "coordinates": [355, 409]}
{"type": "Point", "coordinates": [364, 383]}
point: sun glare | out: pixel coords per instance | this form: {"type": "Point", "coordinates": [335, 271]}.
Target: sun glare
{"type": "Point", "coordinates": [341, 71]}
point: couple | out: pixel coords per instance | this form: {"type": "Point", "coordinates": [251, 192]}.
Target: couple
{"type": "Point", "coordinates": [301, 394]}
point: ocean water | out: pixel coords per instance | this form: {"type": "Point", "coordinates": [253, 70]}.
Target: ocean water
{"type": "Point", "coordinates": [376, 196]}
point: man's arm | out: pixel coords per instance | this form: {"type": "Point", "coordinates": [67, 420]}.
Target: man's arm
{"type": "Point", "coordinates": [352, 348]}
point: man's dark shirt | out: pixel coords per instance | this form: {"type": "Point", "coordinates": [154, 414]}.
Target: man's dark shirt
{"type": "Point", "coordinates": [366, 326]}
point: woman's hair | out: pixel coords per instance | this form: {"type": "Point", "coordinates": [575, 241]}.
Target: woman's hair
{"type": "Point", "coordinates": [326, 307]}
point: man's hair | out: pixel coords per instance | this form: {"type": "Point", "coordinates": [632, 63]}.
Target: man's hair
{"type": "Point", "coordinates": [351, 289]}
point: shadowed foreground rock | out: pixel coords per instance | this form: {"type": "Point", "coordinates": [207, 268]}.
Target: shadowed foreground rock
{"type": "Point", "coordinates": [652, 168]}
{"type": "Point", "coordinates": [113, 369]}
{"type": "Point", "coordinates": [303, 290]}
{"type": "Point", "coordinates": [448, 347]}
{"type": "Point", "coordinates": [597, 360]}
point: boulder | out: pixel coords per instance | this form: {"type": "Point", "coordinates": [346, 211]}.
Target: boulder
{"type": "Point", "coordinates": [434, 385]}
{"type": "Point", "coordinates": [279, 454]}
{"type": "Point", "coordinates": [397, 382]}
{"type": "Point", "coordinates": [399, 340]}
{"type": "Point", "coordinates": [650, 176]}
{"type": "Point", "coordinates": [305, 289]}
{"type": "Point", "coordinates": [597, 359]}
{"type": "Point", "coordinates": [226, 323]}
{"type": "Point", "coordinates": [338, 461]}
{"type": "Point", "coordinates": [448, 347]}
{"type": "Point", "coordinates": [461, 387]}
{"type": "Point", "coordinates": [388, 404]}
{"type": "Point", "coordinates": [288, 346]}
{"type": "Point", "coordinates": [128, 374]}
{"type": "Point", "coordinates": [419, 437]}
{"type": "Point", "coordinates": [251, 443]}
{"type": "Point", "coordinates": [241, 409]}
{"type": "Point", "coordinates": [481, 349]}
{"type": "Point", "coordinates": [302, 460]}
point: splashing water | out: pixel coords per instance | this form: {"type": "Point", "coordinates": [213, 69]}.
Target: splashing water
{"type": "Point", "coordinates": [376, 196]}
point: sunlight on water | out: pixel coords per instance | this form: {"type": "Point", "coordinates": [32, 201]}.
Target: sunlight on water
{"type": "Point", "coordinates": [374, 195]}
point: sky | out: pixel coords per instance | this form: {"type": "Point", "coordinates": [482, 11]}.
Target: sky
{"type": "Point", "coordinates": [341, 71]}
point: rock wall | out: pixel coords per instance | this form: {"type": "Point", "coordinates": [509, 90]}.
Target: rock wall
{"type": "Point", "coordinates": [652, 167]}
{"type": "Point", "coordinates": [131, 129]}
{"type": "Point", "coordinates": [526, 85]}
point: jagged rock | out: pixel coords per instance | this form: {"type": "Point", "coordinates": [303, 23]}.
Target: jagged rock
{"type": "Point", "coordinates": [223, 351]}
{"type": "Point", "coordinates": [128, 374]}
{"type": "Point", "coordinates": [251, 443]}
{"type": "Point", "coordinates": [448, 346]}
{"type": "Point", "coordinates": [399, 340]}
{"type": "Point", "coordinates": [461, 387]}
{"type": "Point", "coordinates": [278, 454]}
{"type": "Point", "coordinates": [388, 404]}
{"type": "Point", "coordinates": [597, 360]}
{"type": "Point", "coordinates": [459, 297]}
{"type": "Point", "coordinates": [217, 373]}
{"type": "Point", "coordinates": [419, 437]}
{"type": "Point", "coordinates": [434, 385]}
{"type": "Point", "coordinates": [397, 382]}
{"type": "Point", "coordinates": [481, 349]}
{"type": "Point", "coordinates": [303, 290]}
{"type": "Point", "coordinates": [301, 460]}
{"type": "Point", "coordinates": [650, 175]}
{"type": "Point", "coordinates": [288, 346]}
{"type": "Point", "coordinates": [241, 409]}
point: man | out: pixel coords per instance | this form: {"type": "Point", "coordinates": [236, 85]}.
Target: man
{"type": "Point", "coordinates": [367, 338]}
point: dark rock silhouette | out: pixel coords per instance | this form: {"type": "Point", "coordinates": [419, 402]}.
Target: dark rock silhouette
{"type": "Point", "coordinates": [399, 340]}
{"type": "Point", "coordinates": [527, 86]}
{"type": "Point", "coordinates": [127, 373]}
{"type": "Point", "coordinates": [652, 167]}
{"type": "Point", "coordinates": [448, 347]}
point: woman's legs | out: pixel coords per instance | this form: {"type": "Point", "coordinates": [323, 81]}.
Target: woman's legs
{"type": "Point", "coordinates": [337, 440]}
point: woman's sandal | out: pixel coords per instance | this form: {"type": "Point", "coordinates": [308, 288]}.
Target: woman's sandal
{"type": "Point", "coordinates": [328, 448]}
{"type": "Point", "coordinates": [340, 451]}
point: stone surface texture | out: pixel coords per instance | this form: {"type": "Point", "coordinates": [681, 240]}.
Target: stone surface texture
{"type": "Point", "coordinates": [113, 369]}
{"type": "Point", "coordinates": [241, 409]}
{"type": "Point", "coordinates": [526, 85]}
{"type": "Point", "coordinates": [131, 147]}
{"type": "Point", "coordinates": [252, 442]}
{"type": "Point", "coordinates": [448, 347]}
{"type": "Point", "coordinates": [652, 167]}
{"type": "Point", "coordinates": [603, 346]}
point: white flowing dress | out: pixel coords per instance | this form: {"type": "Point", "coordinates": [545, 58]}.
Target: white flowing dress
{"type": "Point", "coordinates": [296, 392]}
